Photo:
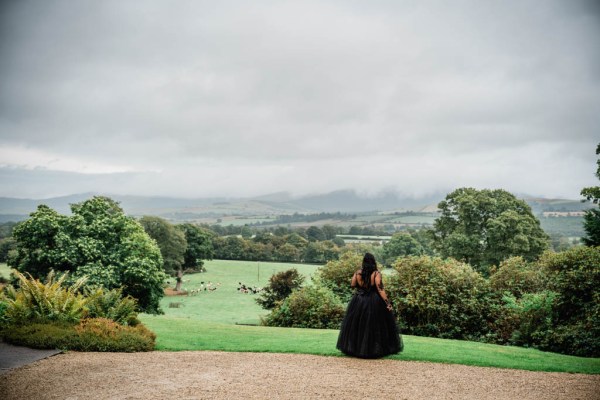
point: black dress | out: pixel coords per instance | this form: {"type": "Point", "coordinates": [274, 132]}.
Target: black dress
{"type": "Point", "coordinates": [369, 329]}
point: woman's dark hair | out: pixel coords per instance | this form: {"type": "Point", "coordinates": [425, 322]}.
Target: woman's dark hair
{"type": "Point", "coordinates": [368, 266]}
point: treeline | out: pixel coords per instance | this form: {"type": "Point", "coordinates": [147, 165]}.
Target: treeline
{"type": "Point", "coordinates": [267, 247]}
{"type": "Point", "coordinates": [297, 217]}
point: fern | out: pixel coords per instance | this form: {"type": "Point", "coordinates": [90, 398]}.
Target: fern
{"type": "Point", "coordinates": [49, 301]}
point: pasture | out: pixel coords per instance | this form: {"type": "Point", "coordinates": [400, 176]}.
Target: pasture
{"type": "Point", "coordinates": [226, 304]}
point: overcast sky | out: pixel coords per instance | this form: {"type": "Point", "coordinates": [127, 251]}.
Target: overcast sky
{"type": "Point", "coordinates": [238, 98]}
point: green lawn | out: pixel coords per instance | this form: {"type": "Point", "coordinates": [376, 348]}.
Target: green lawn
{"type": "Point", "coordinates": [175, 334]}
{"type": "Point", "coordinates": [211, 321]}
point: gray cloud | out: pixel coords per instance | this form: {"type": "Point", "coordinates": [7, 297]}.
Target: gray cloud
{"type": "Point", "coordinates": [193, 98]}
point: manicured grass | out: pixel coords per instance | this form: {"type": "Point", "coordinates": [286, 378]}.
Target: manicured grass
{"type": "Point", "coordinates": [175, 334]}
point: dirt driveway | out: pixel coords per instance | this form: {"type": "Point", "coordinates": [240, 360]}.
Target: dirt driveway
{"type": "Point", "coordinates": [219, 375]}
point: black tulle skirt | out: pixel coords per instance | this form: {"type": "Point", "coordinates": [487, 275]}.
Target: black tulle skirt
{"type": "Point", "coordinates": [369, 330]}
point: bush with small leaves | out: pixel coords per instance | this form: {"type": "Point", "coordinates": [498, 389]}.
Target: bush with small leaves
{"type": "Point", "coordinates": [280, 286]}
{"type": "Point", "coordinates": [517, 276]}
{"type": "Point", "coordinates": [337, 275]}
{"type": "Point", "coordinates": [308, 307]}
{"type": "Point", "coordinates": [440, 298]}
{"type": "Point", "coordinates": [91, 334]}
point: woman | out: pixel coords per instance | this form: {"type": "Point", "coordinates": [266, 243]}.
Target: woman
{"type": "Point", "coordinates": [369, 328]}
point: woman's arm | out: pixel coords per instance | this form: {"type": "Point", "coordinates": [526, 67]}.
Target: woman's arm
{"type": "Point", "coordinates": [379, 285]}
{"type": "Point", "coordinates": [354, 282]}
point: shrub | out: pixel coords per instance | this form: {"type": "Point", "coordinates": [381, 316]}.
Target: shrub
{"type": "Point", "coordinates": [102, 334]}
{"type": "Point", "coordinates": [280, 286]}
{"type": "Point", "coordinates": [440, 298]}
{"type": "Point", "coordinates": [112, 305]}
{"type": "Point", "coordinates": [517, 276]}
{"type": "Point", "coordinates": [3, 307]}
{"type": "Point", "coordinates": [37, 301]}
{"type": "Point", "coordinates": [524, 321]}
{"type": "Point", "coordinates": [308, 307]}
{"type": "Point", "coordinates": [337, 275]}
{"type": "Point", "coordinates": [575, 276]}
{"type": "Point", "coordinates": [93, 334]}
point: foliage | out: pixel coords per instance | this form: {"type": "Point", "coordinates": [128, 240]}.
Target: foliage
{"type": "Point", "coordinates": [170, 241]}
{"type": "Point", "coordinates": [315, 234]}
{"type": "Point", "coordinates": [337, 275]}
{"type": "Point", "coordinates": [401, 244]}
{"type": "Point", "coordinates": [3, 307]}
{"type": "Point", "coordinates": [280, 286]}
{"type": "Point", "coordinates": [575, 276]}
{"type": "Point", "coordinates": [517, 276]}
{"type": "Point", "coordinates": [441, 298]}
{"type": "Point", "coordinates": [97, 241]}
{"type": "Point", "coordinates": [111, 304]}
{"type": "Point", "coordinates": [593, 193]}
{"type": "Point", "coordinates": [309, 307]}
{"type": "Point", "coordinates": [93, 334]}
{"type": "Point", "coordinates": [38, 301]}
{"type": "Point", "coordinates": [485, 227]}
{"type": "Point", "coordinates": [199, 246]}
{"type": "Point", "coordinates": [523, 321]}
{"type": "Point", "coordinates": [591, 223]}
{"type": "Point", "coordinates": [6, 245]}
{"type": "Point", "coordinates": [321, 252]}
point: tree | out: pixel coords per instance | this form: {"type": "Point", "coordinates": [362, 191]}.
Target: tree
{"type": "Point", "coordinates": [315, 234]}
{"type": "Point", "coordinates": [401, 244]}
{"type": "Point", "coordinates": [591, 219]}
{"type": "Point", "coordinates": [485, 227]}
{"type": "Point", "coordinates": [170, 241]}
{"type": "Point", "coordinates": [199, 246]}
{"type": "Point", "coordinates": [575, 276]}
{"type": "Point", "coordinates": [97, 241]}
{"type": "Point", "coordinates": [288, 253]}
{"type": "Point", "coordinates": [280, 287]}
{"type": "Point", "coordinates": [246, 232]}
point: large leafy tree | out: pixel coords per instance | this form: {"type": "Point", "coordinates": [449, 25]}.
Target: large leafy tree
{"type": "Point", "coordinates": [98, 241]}
{"type": "Point", "coordinates": [485, 227]}
{"type": "Point", "coordinates": [199, 246]}
{"type": "Point", "coordinates": [401, 244]}
{"type": "Point", "coordinates": [170, 241]}
{"type": "Point", "coordinates": [591, 219]}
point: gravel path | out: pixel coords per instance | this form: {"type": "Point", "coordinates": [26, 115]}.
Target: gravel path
{"type": "Point", "coordinates": [218, 375]}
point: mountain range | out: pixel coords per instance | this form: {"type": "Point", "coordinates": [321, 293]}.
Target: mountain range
{"type": "Point", "coordinates": [345, 201]}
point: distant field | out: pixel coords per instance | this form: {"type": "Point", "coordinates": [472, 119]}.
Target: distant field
{"type": "Point", "coordinates": [566, 226]}
{"type": "Point", "coordinates": [414, 219]}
